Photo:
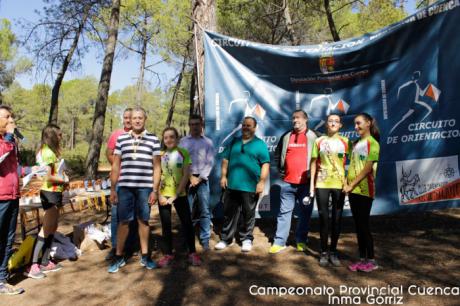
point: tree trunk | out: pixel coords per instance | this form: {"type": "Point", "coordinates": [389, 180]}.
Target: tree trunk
{"type": "Point", "coordinates": [192, 92]}
{"type": "Point", "coordinates": [53, 117]}
{"type": "Point", "coordinates": [140, 81]}
{"type": "Point", "coordinates": [330, 21]}
{"type": "Point", "coordinates": [203, 13]}
{"type": "Point", "coordinates": [176, 91]}
{"type": "Point", "coordinates": [95, 145]}
{"type": "Point", "coordinates": [291, 32]}
{"type": "Point", "coordinates": [73, 133]}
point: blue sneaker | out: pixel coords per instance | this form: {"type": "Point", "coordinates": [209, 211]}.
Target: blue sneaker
{"type": "Point", "coordinates": [116, 264]}
{"type": "Point", "coordinates": [148, 263]}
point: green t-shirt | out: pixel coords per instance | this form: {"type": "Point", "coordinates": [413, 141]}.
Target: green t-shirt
{"type": "Point", "coordinates": [172, 165]}
{"type": "Point", "coordinates": [364, 150]}
{"type": "Point", "coordinates": [331, 156]}
{"type": "Point", "coordinates": [245, 163]}
{"type": "Point", "coordinates": [46, 157]}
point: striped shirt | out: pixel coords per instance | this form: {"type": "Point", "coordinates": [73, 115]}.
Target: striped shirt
{"type": "Point", "coordinates": [136, 168]}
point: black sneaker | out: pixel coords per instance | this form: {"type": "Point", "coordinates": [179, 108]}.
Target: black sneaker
{"type": "Point", "coordinates": [110, 255]}
{"type": "Point", "coordinates": [334, 260]}
{"type": "Point", "coordinates": [324, 259]}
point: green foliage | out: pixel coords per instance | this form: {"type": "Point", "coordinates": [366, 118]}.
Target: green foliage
{"type": "Point", "coordinates": [7, 39]}
{"type": "Point", "coordinates": [31, 109]}
{"type": "Point", "coordinates": [8, 67]}
{"type": "Point", "coordinates": [264, 20]}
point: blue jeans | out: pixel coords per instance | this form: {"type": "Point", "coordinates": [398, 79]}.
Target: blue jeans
{"type": "Point", "coordinates": [132, 242]}
{"type": "Point", "coordinates": [8, 220]}
{"type": "Point", "coordinates": [133, 203]}
{"type": "Point", "coordinates": [202, 192]}
{"type": "Point", "coordinates": [290, 196]}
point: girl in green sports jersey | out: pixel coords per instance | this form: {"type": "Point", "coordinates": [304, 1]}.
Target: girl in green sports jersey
{"type": "Point", "coordinates": [360, 187]}
{"type": "Point", "coordinates": [327, 168]}
{"type": "Point", "coordinates": [175, 173]}
{"type": "Point", "coordinates": [51, 197]}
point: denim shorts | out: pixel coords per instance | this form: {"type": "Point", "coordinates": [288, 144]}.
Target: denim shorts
{"type": "Point", "coordinates": [132, 203]}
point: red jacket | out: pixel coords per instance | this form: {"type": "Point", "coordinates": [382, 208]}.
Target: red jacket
{"type": "Point", "coordinates": [9, 180]}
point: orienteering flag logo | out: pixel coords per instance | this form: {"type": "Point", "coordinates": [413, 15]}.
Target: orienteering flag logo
{"type": "Point", "coordinates": [432, 92]}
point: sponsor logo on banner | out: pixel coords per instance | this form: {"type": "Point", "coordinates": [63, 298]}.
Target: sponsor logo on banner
{"type": "Point", "coordinates": [326, 63]}
{"type": "Point", "coordinates": [423, 98]}
{"type": "Point", "coordinates": [322, 106]}
{"type": "Point", "coordinates": [428, 180]}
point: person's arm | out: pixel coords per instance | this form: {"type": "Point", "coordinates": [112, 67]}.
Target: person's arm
{"type": "Point", "coordinates": [223, 177]}
{"type": "Point", "coordinates": [210, 152]}
{"type": "Point", "coordinates": [361, 175]}
{"type": "Point", "coordinates": [156, 179]}
{"type": "Point", "coordinates": [277, 155]}
{"type": "Point", "coordinates": [312, 175]}
{"type": "Point", "coordinates": [182, 184]}
{"type": "Point", "coordinates": [111, 145]}
{"type": "Point", "coordinates": [114, 174]}
{"type": "Point", "coordinates": [7, 146]}
{"type": "Point", "coordinates": [263, 177]}
{"type": "Point", "coordinates": [109, 155]}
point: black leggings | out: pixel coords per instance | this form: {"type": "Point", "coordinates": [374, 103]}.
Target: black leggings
{"type": "Point", "coordinates": [361, 209]}
{"type": "Point", "coordinates": [183, 211]}
{"type": "Point", "coordinates": [322, 200]}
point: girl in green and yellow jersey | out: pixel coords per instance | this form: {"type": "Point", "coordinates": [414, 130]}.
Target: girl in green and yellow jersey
{"type": "Point", "coordinates": [175, 173]}
{"type": "Point", "coordinates": [360, 187]}
{"type": "Point", "coordinates": [328, 160]}
{"type": "Point", "coordinates": [51, 197]}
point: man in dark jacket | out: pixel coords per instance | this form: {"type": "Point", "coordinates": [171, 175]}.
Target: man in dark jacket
{"type": "Point", "coordinates": [9, 195]}
{"type": "Point", "coordinates": [292, 156]}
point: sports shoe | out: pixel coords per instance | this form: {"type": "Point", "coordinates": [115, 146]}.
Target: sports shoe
{"type": "Point", "coordinates": [324, 259]}
{"type": "Point", "coordinates": [165, 261]}
{"type": "Point", "coordinates": [7, 289]}
{"type": "Point", "coordinates": [148, 263]}
{"type": "Point", "coordinates": [368, 266]}
{"type": "Point", "coordinates": [276, 249]}
{"type": "Point", "coordinates": [246, 246]}
{"type": "Point", "coordinates": [34, 272]}
{"type": "Point", "coordinates": [116, 264]}
{"type": "Point", "coordinates": [221, 245]}
{"type": "Point", "coordinates": [50, 267]}
{"type": "Point", "coordinates": [301, 246]}
{"type": "Point", "coordinates": [334, 260]}
{"type": "Point", "coordinates": [194, 259]}
{"type": "Point", "coordinates": [355, 266]}
{"type": "Point", "coordinates": [110, 255]}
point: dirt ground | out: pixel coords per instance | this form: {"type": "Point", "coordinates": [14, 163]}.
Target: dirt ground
{"type": "Point", "coordinates": [417, 249]}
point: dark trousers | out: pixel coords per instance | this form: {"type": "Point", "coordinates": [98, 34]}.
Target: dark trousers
{"type": "Point", "coordinates": [183, 211]}
{"type": "Point", "coordinates": [361, 209]}
{"type": "Point", "coordinates": [235, 203]}
{"type": "Point", "coordinates": [9, 210]}
{"type": "Point", "coordinates": [335, 222]}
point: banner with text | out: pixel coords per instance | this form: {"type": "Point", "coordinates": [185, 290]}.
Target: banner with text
{"type": "Point", "coordinates": [405, 75]}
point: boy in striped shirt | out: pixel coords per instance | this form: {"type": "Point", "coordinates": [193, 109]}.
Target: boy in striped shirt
{"type": "Point", "coordinates": [136, 169]}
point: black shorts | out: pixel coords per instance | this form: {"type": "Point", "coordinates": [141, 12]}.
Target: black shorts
{"type": "Point", "coordinates": [50, 199]}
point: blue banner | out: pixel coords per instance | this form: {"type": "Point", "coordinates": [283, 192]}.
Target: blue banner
{"type": "Point", "coordinates": [405, 75]}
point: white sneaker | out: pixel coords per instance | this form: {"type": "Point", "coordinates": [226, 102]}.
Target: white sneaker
{"type": "Point", "coordinates": [246, 246]}
{"type": "Point", "coordinates": [221, 245]}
